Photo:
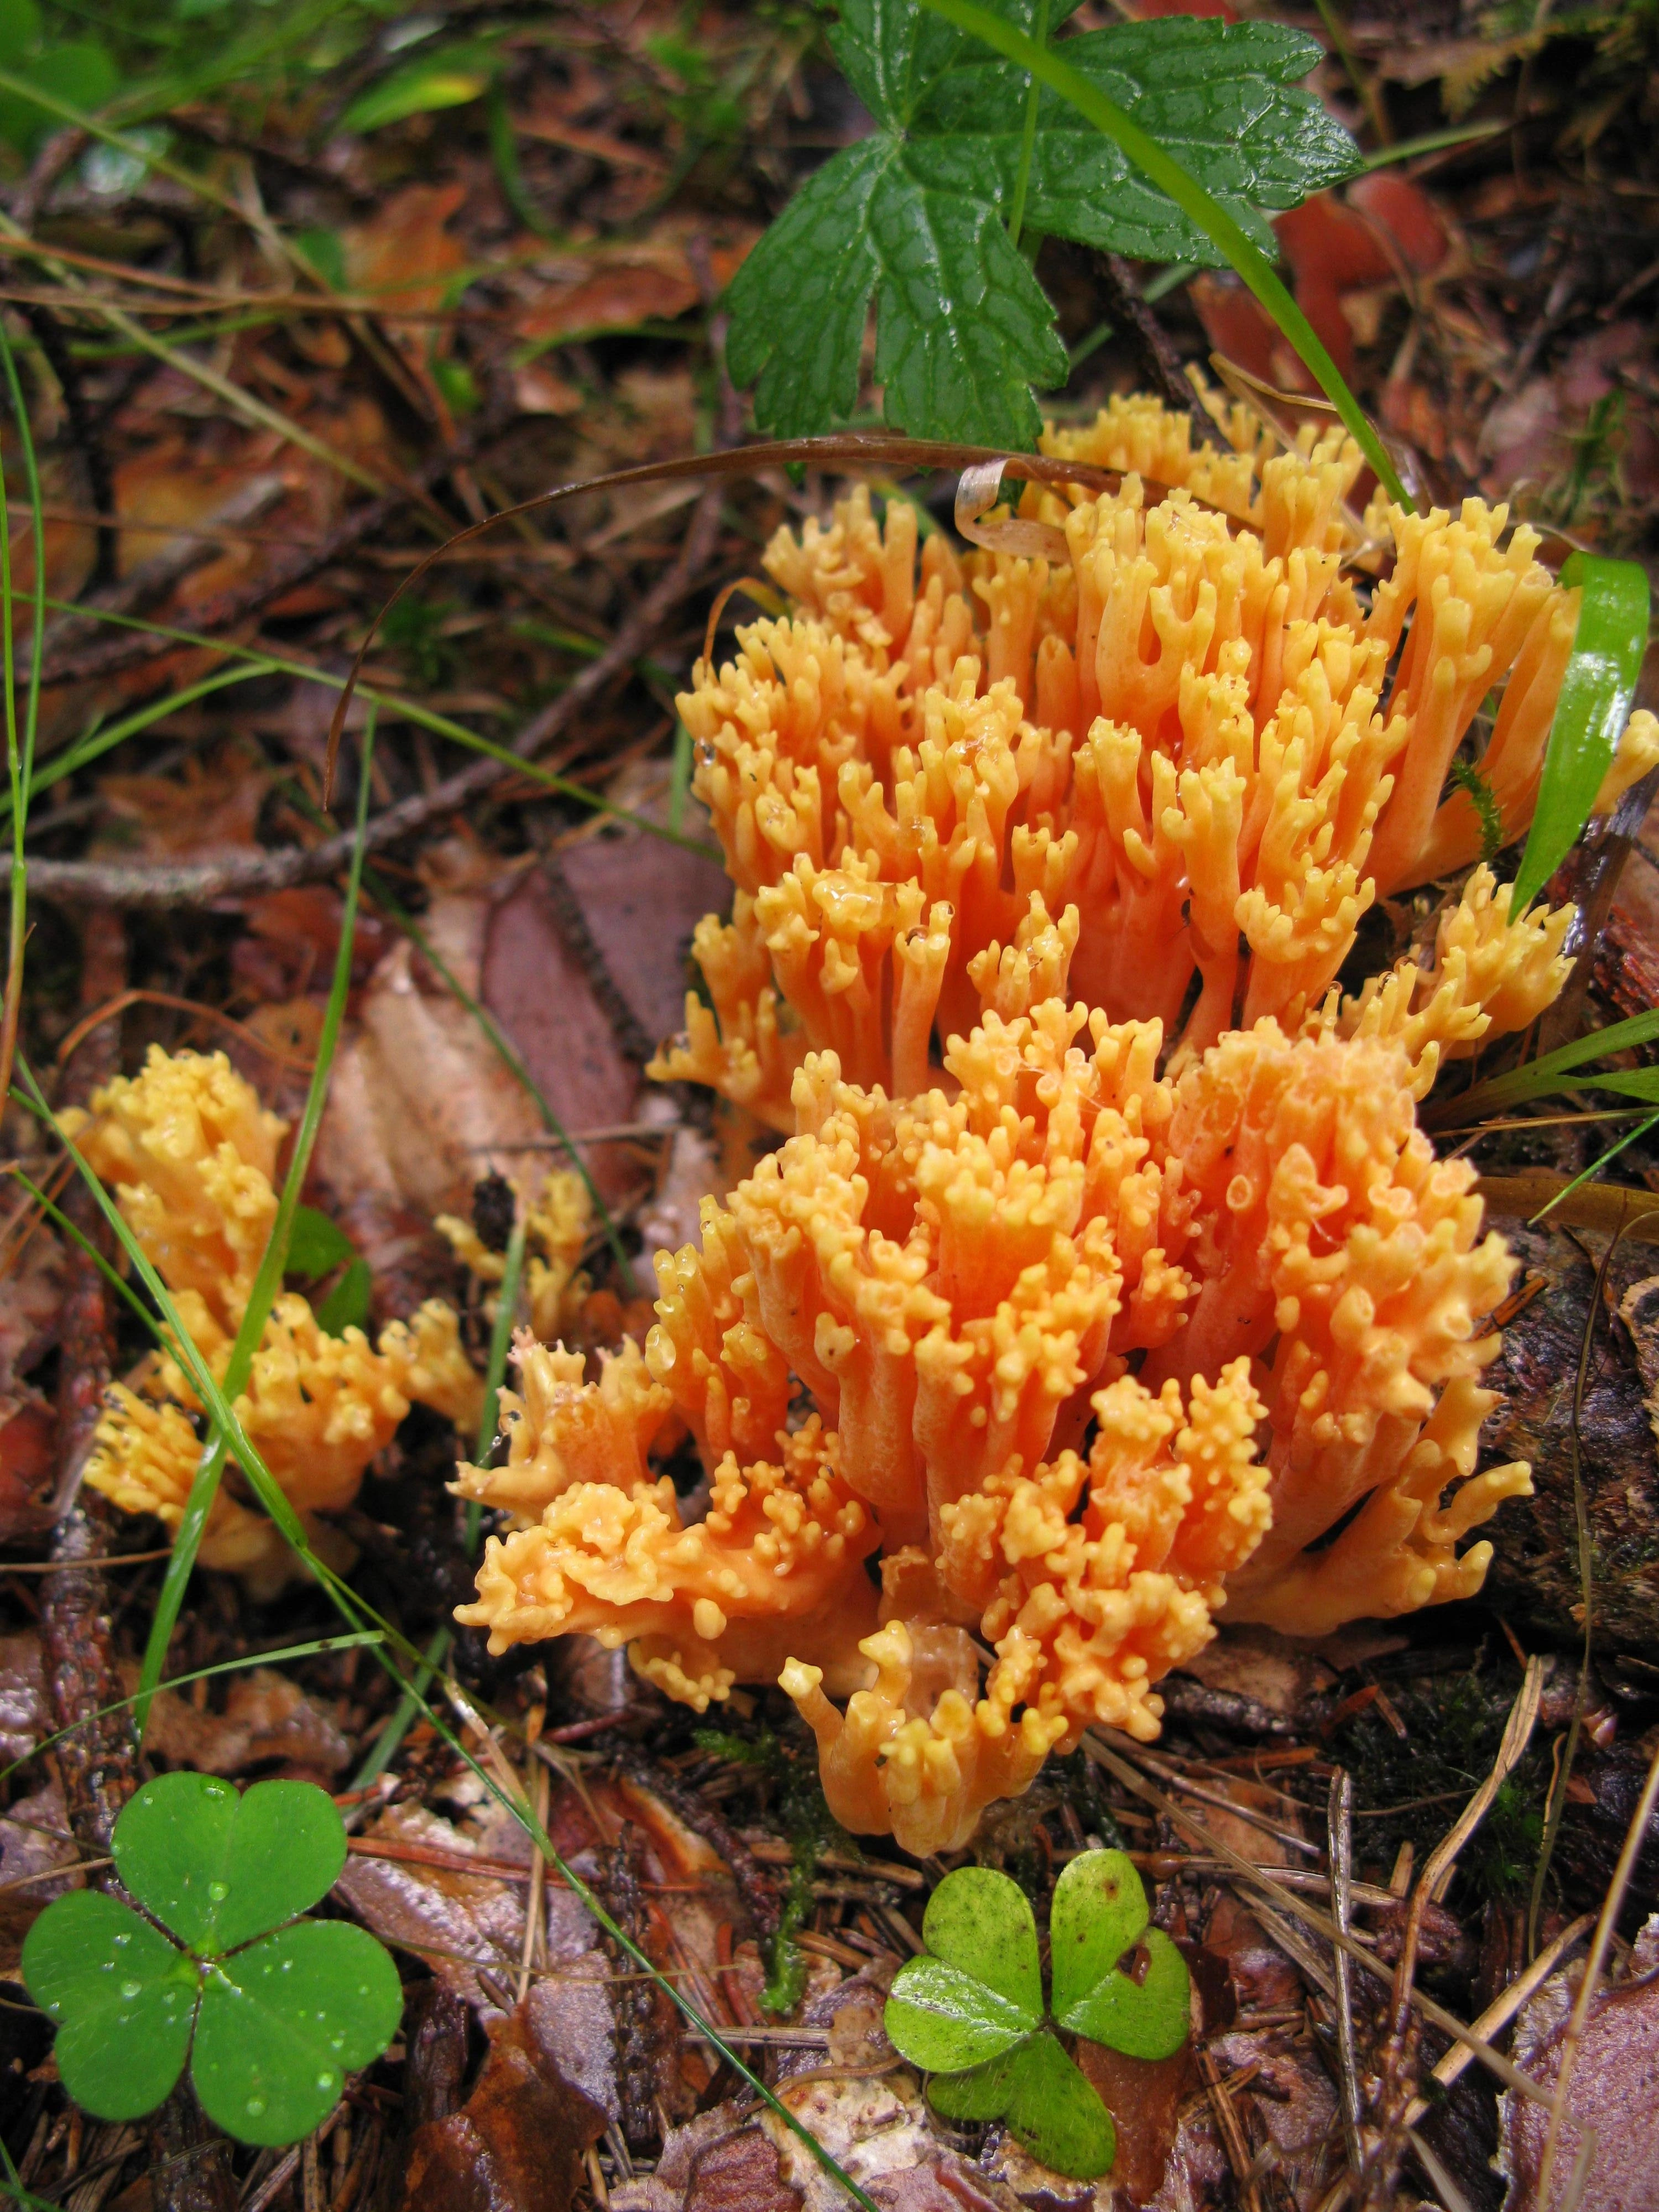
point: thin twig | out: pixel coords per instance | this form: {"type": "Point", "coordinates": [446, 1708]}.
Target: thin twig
{"type": "Point", "coordinates": [1341, 1824]}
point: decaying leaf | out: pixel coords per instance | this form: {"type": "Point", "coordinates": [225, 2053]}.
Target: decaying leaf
{"type": "Point", "coordinates": [517, 2144]}
{"type": "Point", "coordinates": [266, 1717]}
{"type": "Point", "coordinates": [1535, 1576]}
{"type": "Point", "coordinates": [34, 1837]}
{"type": "Point", "coordinates": [1614, 2089]}
{"type": "Point", "coordinates": [421, 1106]}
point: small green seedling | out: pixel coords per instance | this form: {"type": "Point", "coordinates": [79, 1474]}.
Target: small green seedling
{"type": "Point", "coordinates": [970, 2012]}
{"type": "Point", "coordinates": [272, 2022]}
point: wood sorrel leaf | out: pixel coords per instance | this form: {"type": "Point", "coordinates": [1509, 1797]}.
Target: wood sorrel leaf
{"type": "Point", "coordinates": [1099, 1910]}
{"type": "Point", "coordinates": [284, 2021]}
{"type": "Point", "coordinates": [944, 2018]}
{"type": "Point", "coordinates": [122, 1998]}
{"type": "Point", "coordinates": [981, 1921]}
{"type": "Point", "coordinates": [1596, 690]}
{"type": "Point", "coordinates": [1055, 2113]}
{"type": "Point", "coordinates": [978, 2092]}
{"type": "Point", "coordinates": [218, 1868]}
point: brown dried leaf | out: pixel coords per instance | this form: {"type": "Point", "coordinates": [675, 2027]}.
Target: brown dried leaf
{"type": "Point", "coordinates": [34, 1836]}
{"type": "Point", "coordinates": [552, 1005]}
{"type": "Point", "coordinates": [31, 1299]}
{"type": "Point", "coordinates": [634, 285]}
{"type": "Point", "coordinates": [517, 2144]}
{"type": "Point", "coordinates": [640, 899]}
{"type": "Point", "coordinates": [266, 1717]}
{"type": "Point", "coordinates": [1614, 2089]}
{"type": "Point", "coordinates": [1144, 2097]}
{"type": "Point", "coordinates": [421, 1106]}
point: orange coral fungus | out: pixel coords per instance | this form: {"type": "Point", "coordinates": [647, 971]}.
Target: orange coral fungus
{"type": "Point", "coordinates": [1179, 756]}
{"type": "Point", "coordinates": [191, 1156]}
{"type": "Point", "coordinates": [1126, 1291]}
{"type": "Point", "coordinates": [961, 1280]}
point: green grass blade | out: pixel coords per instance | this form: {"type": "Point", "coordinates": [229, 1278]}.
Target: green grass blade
{"type": "Point", "coordinates": [356, 1612]}
{"type": "Point", "coordinates": [1028, 132]}
{"type": "Point", "coordinates": [1540, 1078]}
{"type": "Point", "coordinates": [317, 1648]}
{"type": "Point", "coordinates": [20, 758]}
{"type": "Point", "coordinates": [1596, 691]}
{"type": "Point", "coordinates": [501, 1343]}
{"type": "Point", "coordinates": [387, 1745]}
{"type": "Point", "coordinates": [90, 748]}
{"type": "Point", "coordinates": [269, 1279]}
{"type": "Point", "coordinates": [424, 717]}
{"type": "Point", "coordinates": [1195, 202]}
{"type": "Point", "coordinates": [1596, 1167]}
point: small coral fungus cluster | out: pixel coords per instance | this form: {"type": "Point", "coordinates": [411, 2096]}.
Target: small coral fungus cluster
{"type": "Point", "coordinates": [1102, 1237]}
{"type": "Point", "coordinates": [191, 1156]}
{"type": "Point", "coordinates": [1103, 1284]}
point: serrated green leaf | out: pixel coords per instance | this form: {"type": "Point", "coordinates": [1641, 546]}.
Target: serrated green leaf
{"type": "Point", "coordinates": [1219, 97]}
{"type": "Point", "coordinates": [1099, 1908]}
{"type": "Point", "coordinates": [218, 1868]}
{"type": "Point", "coordinates": [916, 213]}
{"type": "Point", "coordinates": [316, 1245]}
{"type": "Point", "coordinates": [1590, 711]}
{"type": "Point", "coordinates": [1057, 2114]}
{"type": "Point", "coordinates": [284, 2021]}
{"type": "Point", "coordinates": [944, 2018]}
{"type": "Point", "coordinates": [122, 1998]}
{"type": "Point", "coordinates": [981, 1921]}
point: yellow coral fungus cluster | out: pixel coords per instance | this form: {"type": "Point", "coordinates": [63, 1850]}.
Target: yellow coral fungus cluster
{"type": "Point", "coordinates": [963, 1281]}
{"type": "Point", "coordinates": [192, 1158]}
{"type": "Point", "coordinates": [1185, 758]}
{"type": "Point", "coordinates": [1125, 1291]}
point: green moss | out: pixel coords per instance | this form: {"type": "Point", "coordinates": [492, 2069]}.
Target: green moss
{"type": "Point", "coordinates": [1411, 1789]}
{"type": "Point", "coordinates": [798, 1803]}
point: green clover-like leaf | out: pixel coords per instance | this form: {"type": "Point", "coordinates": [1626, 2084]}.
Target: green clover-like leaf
{"type": "Point", "coordinates": [1057, 2114]}
{"type": "Point", "coordinates": [284, 2021]}
{"type": "Point", "coordinates": [981, 1921]}
{"type": "Point", "coordinates": [1099, 1910]}
{"type": "Point", "coordinates": [219, 1869]}
{"type": "Point", "coordinates": [277, 2020]}
{"type": "Point", "coordinates": [969, 2011]}
{"type": "Point", "coordinates": [122, 1998]}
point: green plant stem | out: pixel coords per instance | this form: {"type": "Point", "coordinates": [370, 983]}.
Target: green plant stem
{"type": "Point", "coordinates": [267, 1282]}
{"type": "Point", "coordinates": [1362, 85]}
{"type": "Point", "coordinates": [1028, 135]}
{"type": "Point", "coordinates": [401, 1719]}
{"type": "Point", "coordinates": [86, 750]}
{"type": "Point", "coordinates": [1196, 204]}
{"type": "Point", "coordinates": [1539, 1078]}
{"type": "Point", "coordinates": [501, 1343]}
